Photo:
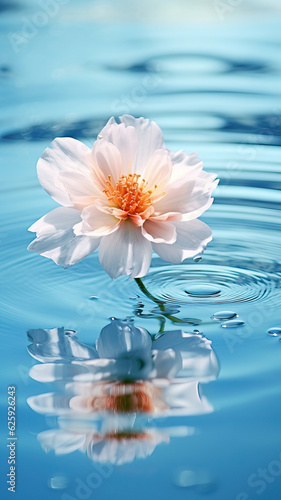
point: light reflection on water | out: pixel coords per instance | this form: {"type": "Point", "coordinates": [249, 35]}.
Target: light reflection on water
{"type": "Point", "coordinates": [215, 90]}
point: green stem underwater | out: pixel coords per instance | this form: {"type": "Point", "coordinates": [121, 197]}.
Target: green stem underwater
{"type": "Point", "coordinates": [149, 295]}
{"type": "Point", "coordinates": [160, 303]}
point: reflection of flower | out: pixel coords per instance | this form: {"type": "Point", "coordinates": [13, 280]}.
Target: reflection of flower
{"type": "Point", "coordinates": [123, 352]}
{"type": "Point", "coordinates": [128, 195]}
{"type": "Point", "coordinates": [112, 392]}
{"type": "Point", "coordinates": [118, 397]}
{"type": "Point", "coordinates": [116, 447]}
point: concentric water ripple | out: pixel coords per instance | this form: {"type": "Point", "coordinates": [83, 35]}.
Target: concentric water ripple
{"type": "Point", "coordinates": [209, 284]}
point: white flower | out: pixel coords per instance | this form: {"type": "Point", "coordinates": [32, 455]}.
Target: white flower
{"type": "Point", "coordinates": [129, 195]}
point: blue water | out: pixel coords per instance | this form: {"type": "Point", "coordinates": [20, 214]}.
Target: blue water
{"type": "Point", "coordinates": [213, 86]}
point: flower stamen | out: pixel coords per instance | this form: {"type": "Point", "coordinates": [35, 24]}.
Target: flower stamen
{"type": "Point", "coordinates": [129, 193]}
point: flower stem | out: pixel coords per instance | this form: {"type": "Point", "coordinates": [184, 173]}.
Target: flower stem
{"type": "Point", "coordinates": [149, 295]}
{"type": "Point", "coordinates": [160, 303]}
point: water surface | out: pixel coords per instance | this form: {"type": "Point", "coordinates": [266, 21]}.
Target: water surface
{"type": "Point", "coordinates": [214, 87]}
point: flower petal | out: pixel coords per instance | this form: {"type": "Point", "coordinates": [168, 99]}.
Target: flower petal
{"type": "Point", "coordinates": [176, 198]}
{"type": "Point", "coordinates": [125, 252]}
{"type": "Point", "coordinates": [56, 239]}
{"type": "Point", "coordinates": [67, 155]}
{"type": "Point", "coordinates": [185, 165]}
{"type": "Point", "coordinates": [150, 138]}
{"type": "Point", "coordinates": [158, 172]}
{"type": "Point", "coordinates": [192, 238]}
{"type": "Point", "coordinates": [159, 232]}
{"type": "Point", "coordinates": [125, 140]}
{"type": "Point", "coordinates": [96, 223]}
{"type": "Point", "coordinates": [136, 139]}
{"type": "Point", "coordinates": [191, 197]}
{"type": "Point", "coordinates": [81, 189]}
{"type": "Point", "coordinates": [169, 216]}
{"type": "Point", "coordinates": [108, 159]}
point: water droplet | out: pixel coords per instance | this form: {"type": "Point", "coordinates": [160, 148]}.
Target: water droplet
{"type": "Point", "coordinates": [94, 297]}
{"type": "Point", "coordinates": [275, 331]}
{"type": "Point", "coordinates": [224, 315]}
{"type": "Point", "coordinates": [233, 323]}
{"type": "Point", "coordinates": [197, 258]}
{"type": "Point", "coordinates": [70, 333]}
{"type": "Point", "coordinates": [189, 321]}
{"type": "Point", "coordinates": [58, 482]}
{"type": "Point", "coordinates": [202, 291]}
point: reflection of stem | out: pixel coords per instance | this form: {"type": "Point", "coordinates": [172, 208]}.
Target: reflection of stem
{"type": "Point", "coordinates": [160, 303]}
{"type": "Point", "coordinates": [162, 326]}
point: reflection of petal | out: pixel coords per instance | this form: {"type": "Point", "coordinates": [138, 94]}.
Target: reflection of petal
{"type": "Point", "coordinates": [203, 368]}
{"type": "Point", "coordinates": [112, 393]}
{"type": "Point", "coordinates": [198, 358]}
{"type": "Point", "coordinates": [167, 363]}
{"type": "Point", "coordinates": [116, 397]}
{"type": "Point", "coordinates": [122, 338]}
{"type": "Point", "coordinates": [184, 399]}
{"type": "Point", "coordinates": [182, 341]}
{"type": "Point", "coordinates": [50, 403]}
{"type": "Point", "coordinates": [90, 371]}
{"type": "Point", "coordinates": [55, 344]}
{"type": "Point", "coordinates": [60, 442]}
{"type": "Point", "coordinates": [57, 372]}
{"type": "Point", "coordinates": [123, 447]}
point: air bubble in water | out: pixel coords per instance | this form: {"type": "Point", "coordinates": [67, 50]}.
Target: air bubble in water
{"type": "Point", "coordinates": [233, 323]}
{"type": "Point", "coordinates": [224, 315]}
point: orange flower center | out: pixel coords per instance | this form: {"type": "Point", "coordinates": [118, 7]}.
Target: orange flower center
{"type": "Point", "coordinates": [129, 193]}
